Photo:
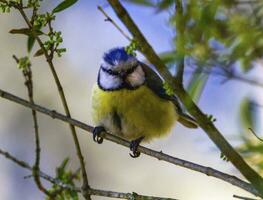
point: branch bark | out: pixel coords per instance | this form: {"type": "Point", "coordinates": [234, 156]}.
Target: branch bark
{"type": "Point", "coordinates": [27, 73]}
{"type": "Point", "coordinates": [49, 59]}
{"type": "Point", "coordinates": [155, 154]}
{"type": "Point", "coordinates": [90, 191]}
{"type": "Point", "coordinates": [214, 134]}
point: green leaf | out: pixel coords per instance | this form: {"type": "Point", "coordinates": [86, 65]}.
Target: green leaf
{"type": "Point", "coordinates": [23, 63]}
{"type": "Point", "coordinates": [64, 5]}
{"type": "Point", "coordinates": [30, 43]}
{"type": "Point", "coordinates": [143, 2]}
{"type": "Point", "coordinates": [26, 31]}
{"type": "Point", "coordinates": [165, 4]}
{"type": "Point", "coordinates": [39, 52]}
{"type": "Point", "coordinates": [248, 113]}
{"type": "Point", "coordinates": [169, 57]}
{"type": "Point", "coordinates": [197, 84]}
{"type": "Point", "coordinates": [168, 89]}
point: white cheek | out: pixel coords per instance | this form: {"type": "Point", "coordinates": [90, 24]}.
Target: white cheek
{"type": "Point", "coordinates": [137, 77]}
{"type": "Point", "coordinates": [108, 81]}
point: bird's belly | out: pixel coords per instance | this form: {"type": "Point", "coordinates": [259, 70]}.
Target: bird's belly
{"type": "Point", "coordinates": [140, 112]}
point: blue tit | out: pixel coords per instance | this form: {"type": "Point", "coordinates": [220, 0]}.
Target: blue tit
{"type": "Point", "coordinates": [129, 101]}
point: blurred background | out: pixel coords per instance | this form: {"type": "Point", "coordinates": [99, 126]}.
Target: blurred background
{"type": "Point", "coordinates": [86, 36]}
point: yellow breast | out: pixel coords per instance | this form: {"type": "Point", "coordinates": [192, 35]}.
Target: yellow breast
{"type": "Point", "coordinates": [142, 113]}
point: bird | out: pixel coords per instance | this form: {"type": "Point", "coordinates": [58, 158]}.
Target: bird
{"type": "Point", "coordinates": [129, 101]}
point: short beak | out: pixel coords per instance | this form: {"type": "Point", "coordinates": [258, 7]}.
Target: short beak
{"type": "Point", "coordinates": [123, 74]}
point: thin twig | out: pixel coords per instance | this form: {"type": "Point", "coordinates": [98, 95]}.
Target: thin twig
{"type": "Point", "coordinates": [109, 19]}
{"type": "Point", "coordinates": [27, 73]}
{"type": "Point", "coordinates": [253, 132]}
{"type": "Point", "coordinates": [233, 76]}
{"type": "Point", "coordinates": [90, 191]}
{"type": "Point", "coordinates": [248, 1]}
{"type": "Point", "coordinates": [244, 198]}
{"type": "Point", "coordinates": [214, 134]}
{"type": "Point", "coordinates": [156, 154]}
{"type": "Point", "coordinates": [65, 105]}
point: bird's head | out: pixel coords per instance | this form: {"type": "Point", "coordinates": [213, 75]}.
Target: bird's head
{"type": "Point", "coordinates": [120, 70]}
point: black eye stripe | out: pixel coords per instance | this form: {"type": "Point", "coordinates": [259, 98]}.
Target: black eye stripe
{"type": "Point", "coordinates": [114, 73]}
{"type": "Point", "coordinates": [109, 71]}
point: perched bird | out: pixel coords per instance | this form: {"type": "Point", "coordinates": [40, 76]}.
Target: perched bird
{"type": "Point", "coordinates": [129, 101]}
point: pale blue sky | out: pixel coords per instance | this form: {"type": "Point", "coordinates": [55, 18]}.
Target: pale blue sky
{"type": "Point", "coordinates": [86, 37]}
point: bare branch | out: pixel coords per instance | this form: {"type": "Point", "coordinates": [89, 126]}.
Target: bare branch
{"type": "Point", "coordinates": [159, 155]}
{"type": "Point", "coordinates": [253, 132]}
{"type": "Point", "coordinates": [90, 191]}
{"type": "Point", "coordinates": [244, 198]}
{"type": "Point", "coordinates": [49, 59]}
{"type": "Point", "coordinates": [109, 19]}
{"type": "Point", "coordinates": [27, 73]}
{"type": "Point", "coordinates": [214, 134]}
{"type": "Point", "coordinates": [232, 76]}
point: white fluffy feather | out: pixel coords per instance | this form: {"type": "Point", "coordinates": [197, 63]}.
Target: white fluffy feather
{"type": "Point", "coordinates": [108, 81]}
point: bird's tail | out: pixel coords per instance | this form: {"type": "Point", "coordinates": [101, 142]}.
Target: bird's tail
{"type": "Point", "coordinates": [187, 121]}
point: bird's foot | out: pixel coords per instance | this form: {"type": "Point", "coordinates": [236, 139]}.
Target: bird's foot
{"type": "Point", "coordinates": [134, 147]}
{"type": "Point", "coordinates": [97, 134]}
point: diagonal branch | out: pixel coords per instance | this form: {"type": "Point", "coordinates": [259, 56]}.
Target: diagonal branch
{"type": "Point", "coordinates": [90, 191]}
{"type": "Point", "coordinates": [159, 155]}
{"type": "Point", "coordinates": [108, 18]}
{"type": "Point", "coordinates": [214, 134]}
{"type": "Point", "coordinates": [244, 198]}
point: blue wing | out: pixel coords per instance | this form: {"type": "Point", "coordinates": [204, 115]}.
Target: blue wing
{"type": "Point", "coordinates": [155, 83]}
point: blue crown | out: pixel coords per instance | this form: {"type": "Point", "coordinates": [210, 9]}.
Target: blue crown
{"type": "Point", "coordinates": [117, 55]}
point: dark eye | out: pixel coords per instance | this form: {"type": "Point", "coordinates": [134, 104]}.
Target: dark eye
{"type": "Point", "coordinates": [109, 71]}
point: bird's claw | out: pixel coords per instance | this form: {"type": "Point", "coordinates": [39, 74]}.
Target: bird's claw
{"type": "Point", "coordinates": [97, 134]}
{"type": "Point", "coordinates": [134, 147]}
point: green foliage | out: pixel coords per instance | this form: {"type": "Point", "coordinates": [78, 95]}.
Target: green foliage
{"type": "Point", "coordinates": [40, 24]}
{"type": "Point", "coordinates": [26, 31]}
{"type": "Point", "coordinates": [42, 20]}
{"type": "Point", "coordinates": [224, 34]}
{"type": "Point", "coordinates": [225, 22]}
{"type": "Point", "coordinates": [4, 8]}
{"type": "Point", "coordinates": [64, 176]}
{"type": "Point", "coordinates": [211, 118]}
{"type": "Point", "coordinates": [33, 3]}
{"type": "Point", "coordinates": [223, 157]}
{"type": "Point", "coordinates": [248, 113]}
{"type": "Point", "coordinates": [143, 2]}
{"type": "Point", "coordinates": [39, 52]}
{"type": "Point", "coordinates": [252, 150]}
{"type": "Point", "coordinates": [168, 89]}
{"type": "Point", "coordinates": [30, 43]}
{"type": "Point", "coordinates": [252, 147]}
{"type": "Point", "coordinates": [197, 84]}
{"type": "Point", "coordinates": [23, 63]}
{"type": "Point", "coordinates": [55, 39]}
{"type": "Point", "coordinates": [164, 4]}
{"type": "Point", "coordinates": [132, 47]}
{"type": "Point", "coordinates": [64, 5]}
